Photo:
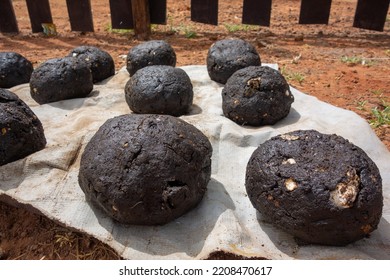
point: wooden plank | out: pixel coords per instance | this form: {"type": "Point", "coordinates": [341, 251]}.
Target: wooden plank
{"type": "Point", "coordinates": [315, 12]}
{"type": "Point", "coordinates": [141, 18]}
{"type": "Point", "coordinates": [371, 14]}
{"type": "Point", "coordinates": [80, 15]}
{"type": "Point", "coordinates": [8, 22]}
{"type": "Point", "coordinates": [39, 12]}
{"type": "Point", "coordinates": [121, 14]}
{"type": "Point", "coordinates": [204, 11]}
{"type": "Point", "coordinates": [257, 12]}
{"type": "Point", "coordinates": [158, 11]}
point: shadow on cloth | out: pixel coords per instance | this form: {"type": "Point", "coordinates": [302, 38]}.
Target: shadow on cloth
{"type": "Point", "coordinates": [187, 234]}
{"type": "Point", "coordinates": [374, 246]}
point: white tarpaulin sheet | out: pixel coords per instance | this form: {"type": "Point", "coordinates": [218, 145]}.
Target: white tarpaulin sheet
{"type": "Point", "coordinates": [225, 219]}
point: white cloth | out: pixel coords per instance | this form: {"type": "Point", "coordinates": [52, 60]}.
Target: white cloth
{"type": "Point", "coordinates": [225, 219]}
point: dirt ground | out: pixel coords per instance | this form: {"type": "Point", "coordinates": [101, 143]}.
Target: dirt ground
{"type": "Point", "coordinates": [339, 64]}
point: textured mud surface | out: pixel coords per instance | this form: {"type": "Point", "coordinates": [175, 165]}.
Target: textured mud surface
{"type": "Point", "coordinates": [256, 95]}
{"type": "Point", "coordinates": [100, 62]}
{"type": "Point", "coordinates": [159, 89]}
{"type": "Point", "coordinates": [15, 69]}
{"type": "Point", "coordinates": [155, 52]}
{"type": "Point", "coordinates": [146, 169]}
{"type": "Point", "coordinates": [229, 55]}
{"type": "Point", "coordinates": [21, 132]}
{"type": "Point", "coordinates": [320, 188]}
{"type": "Point", "coordinates": [59, 79]}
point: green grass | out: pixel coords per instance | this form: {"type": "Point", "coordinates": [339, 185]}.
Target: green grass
{"type": "Point", "coordinates": [378, 92]}
{"type": "Point", "coordinates": [361, 104]}
{"type": "Point", "coordinates": [351, 60]}
{"type": "Point", "coordinates": [119, 31]}
{"type": "Point", "coordinates": [297, 77]}
{"type": "Point", "coordinates": [355, 60]}
{"type": "Point", "coordinates": [232, 28]}
{"type": "Point", "coordinates": [189, 34]}
{"type": "Point", "coordinates": [186, 30]}
{"type": "Point", "coordinates": [292, 76]}
{"type": "Point", "coordinates": [380, 116]}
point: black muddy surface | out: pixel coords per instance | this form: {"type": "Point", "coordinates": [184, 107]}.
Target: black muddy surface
{"type": "Point", "coordinates": [229, 55]}
{"type": "Point", "coordinates": [256, 95]}
{"type": "Point", "coordinates": [21, 132]}
{"type": "Point", "coordinates": [160, 89]}
{"type": "Point", "coordinates": [59, 79]}
{"type": "Point", "coordinates": [154, 52]}
{"type": "Point", "coordinates": [15, 69]}
{"type": "Point", "coordinates": [320, 188]}
{"type": "Point", "coordinates": [146, 169]}
{"type": "Point", "coordinates": [99, 61]}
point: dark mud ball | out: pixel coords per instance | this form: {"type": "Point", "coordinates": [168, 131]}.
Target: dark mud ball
{"type": "Point", "coordinates": [146, 169]}
{"type": "Point", "coordinates": [100, 62]}
{"type": "Point", "coordinates": [60, 79]}
{"type": "Point", "coordinates": [229, 55]}
{"type": "Point", "coordinates": [159, 89]}
{"type": "Point", "coordinates": [21, 132]}
{"type": "Point", "coordinates": [155, 52]}
{"type": "Point", "coordinates": [256, 95]}
{"type": "Point", "coordinates": [14, 69]}
{"type": "Point", "coordinates": [320, 188]}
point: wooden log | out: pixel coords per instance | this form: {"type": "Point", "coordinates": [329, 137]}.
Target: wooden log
{"type": "Point", "coordinates": [121, 14]}
{"type": "Point", "coordinates": [39, 12]}
{"type": "Point", "coordinates": [257, 12]}
{"type": "Point", "coordinates": [80, 15]}
{"type": "Point", "coordinates": [371, 14]}
{"type": "Point", "coordinates": [8, 23]}
{"type": "Point", "coordinates": [141, 19]}
{"type": "Point", "coordinates": [158, 11]}
{"type": "Point", "coordinates": [315, 12]}
{"type": "Point", "coordinates": [204, 11]}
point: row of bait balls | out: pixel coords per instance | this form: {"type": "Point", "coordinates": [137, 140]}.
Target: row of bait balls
{"type": "Point", "coordinates": [321, 188]}
{"type": "Point", "coordinates": [57, 79]}
{"type": "Point", "coordinates": [253, 94]}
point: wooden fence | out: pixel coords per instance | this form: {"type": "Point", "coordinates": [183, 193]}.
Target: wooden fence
{"type": "Point", "coordinates": [138, 14]}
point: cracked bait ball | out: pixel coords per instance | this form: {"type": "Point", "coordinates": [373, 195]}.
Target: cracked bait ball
{"type": "Point", "coordinates": [155, 52]}
{"type": "Point", "coordinates": [256, 95]}
{"type": "Point", "coordinates": [59, 79]}
{"type": "Point", "coordinates": [100, 62]}
{"type": "Point", "coordinates": [146, 169]}
{"type": "Point", "coordinates": [229, 55]}
{"type": "Point", "coordinates": [14, 69]}
{"type": "Point", "coordinates": [320, 188]}
{"type": "Point", "coordinates": [21, 132]}
{"type": "Point", "coordinates": [159, 89]}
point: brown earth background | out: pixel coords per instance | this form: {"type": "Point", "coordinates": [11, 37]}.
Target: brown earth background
{"type": "Point", "coordinates": [339, 64]}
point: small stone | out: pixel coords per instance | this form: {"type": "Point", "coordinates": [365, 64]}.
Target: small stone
{"type": "Point", "coordinates": [290, 184]}
{"type": "Point", "coordinates": [289, 161]}
{"type": "Point", "coordinates": [346, 192]}
{"type": "Point", "coordinates": [289, 137]}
